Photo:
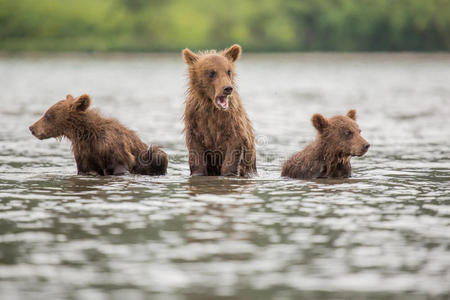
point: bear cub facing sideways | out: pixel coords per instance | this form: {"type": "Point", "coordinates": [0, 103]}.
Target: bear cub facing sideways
{"type": "Point", "coordinates": [101, 146]}
{"type": "Point", "coordinates": [329, 155]}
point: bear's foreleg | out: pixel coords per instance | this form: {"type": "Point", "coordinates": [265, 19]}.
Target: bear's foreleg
{"type": "Point", "coordinates": [233, 157]}
{"type": "Point", "coordinates": [196, 158]}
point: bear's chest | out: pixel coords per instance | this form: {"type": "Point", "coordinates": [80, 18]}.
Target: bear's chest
{"type": "Point", "coordinates": [214, 133]}
{"type": "Point", "coordinates": [339, 170]}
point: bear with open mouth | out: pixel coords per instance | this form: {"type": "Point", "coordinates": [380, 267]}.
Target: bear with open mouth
{"type": "Point", "coordinates": [219, 134]}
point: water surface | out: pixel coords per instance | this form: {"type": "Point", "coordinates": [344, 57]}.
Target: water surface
{"type": "Point", "coordinates": [383, 234]}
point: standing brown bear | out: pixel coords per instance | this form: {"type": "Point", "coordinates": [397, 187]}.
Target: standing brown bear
{"type": "Point", "coordinates": [101, 146]}
{"type": "Point", "coordinates": [329, 155]}
{"type": "Point", "coordinates": [219, 134]}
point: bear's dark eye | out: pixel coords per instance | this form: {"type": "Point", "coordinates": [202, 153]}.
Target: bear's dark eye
{"type": "Point", "coordinates": [229, 72]}
{"type": "Point", "coordinates": [212, 74]}
{"type": "Point", "coordinates": [49, 116]}
{"type": "Point", "coordinates": [348, 133]}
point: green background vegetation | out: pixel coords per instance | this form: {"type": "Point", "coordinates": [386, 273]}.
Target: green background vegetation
{"type": "Point", "coordinates": [259, 25]}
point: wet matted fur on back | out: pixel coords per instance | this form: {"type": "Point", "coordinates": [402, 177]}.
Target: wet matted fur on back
{"type": "Point", "coordinates": [100, 145]}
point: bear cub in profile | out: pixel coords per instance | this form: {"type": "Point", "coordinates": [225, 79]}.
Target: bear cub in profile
{"type": "Point", "coordinates": [329, 155]}
{"type": "Point", "coordinates": [101, 146]}
{"type": "Point", "coordinates": [219, 134]}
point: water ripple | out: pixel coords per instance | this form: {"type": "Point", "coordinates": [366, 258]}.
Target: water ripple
{"type": "Point", "coordinates": [383, 234]}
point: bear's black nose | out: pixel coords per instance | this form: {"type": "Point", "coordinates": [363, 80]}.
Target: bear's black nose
{"type": "Point", "coordinates": [31, 129]}
{"type": "Point", "coordinates": [227, 90]}
{"type": "Point", "coordinates": [366, 146]}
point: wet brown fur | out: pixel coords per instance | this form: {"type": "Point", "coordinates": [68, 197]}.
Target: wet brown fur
{"type": "Point", "coordinates": [220, 142]}
{"type": "Point", "coordinates": [101, 146]}
{"type": "Point", "coordinates": [329, 155]}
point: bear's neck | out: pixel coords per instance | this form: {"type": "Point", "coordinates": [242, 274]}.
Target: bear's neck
{"type": "Point", "coordinates": [83, 128]}
{"type": "Point", "coordinates": [329, 155]}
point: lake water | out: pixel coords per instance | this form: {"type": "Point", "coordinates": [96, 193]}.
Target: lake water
{"type": "Point", "coordinates": [383, 234]}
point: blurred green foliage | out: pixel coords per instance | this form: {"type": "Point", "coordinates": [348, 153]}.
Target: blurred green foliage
{"type": "Point", "coordinates": [259, 25]}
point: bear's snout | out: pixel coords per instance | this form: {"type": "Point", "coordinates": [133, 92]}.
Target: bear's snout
{"type": "Point", "coordinates": [35, 131]}
{"type": "Point", "coordinates": [365, 147]}
{"type": "Point", "coordinates": [227, 90]}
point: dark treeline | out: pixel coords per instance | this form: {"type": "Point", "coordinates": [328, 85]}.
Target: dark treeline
{"type": "Point", "coordinates": [259, 25]}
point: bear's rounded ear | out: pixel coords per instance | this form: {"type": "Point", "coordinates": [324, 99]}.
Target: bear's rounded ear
{"type": "Point", "coordinates": [82, 103]}
{"type": "Point", "coordinates": [319, 122]}
{"type": "Point", "coordinates": [233, 53]}
{"type": "Point", "coordinates": [352, 114]}
{"type": "Point", "coordinates": [69, 97]}
{"type": "Point", "coordinates": [189, 57]}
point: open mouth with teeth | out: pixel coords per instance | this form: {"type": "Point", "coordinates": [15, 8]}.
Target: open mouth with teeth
{"type": "Point", "coordinates": [222, 102]}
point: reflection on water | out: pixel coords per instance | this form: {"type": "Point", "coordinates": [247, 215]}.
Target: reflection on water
{"type": "Point", "coordinates": [383, 234]}
{"type": "Point", "coordinates": [219, 186]}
